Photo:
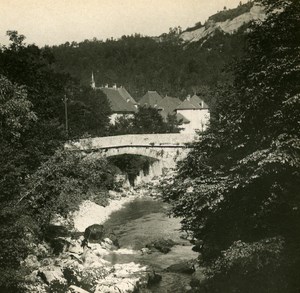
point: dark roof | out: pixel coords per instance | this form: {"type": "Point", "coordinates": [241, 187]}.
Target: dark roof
{"type": "Point", "coordinates": [125, 94]}
{"type": "Point", "coordinates": [194, 102]}
{"type": "Point", "coordinates": [117, 101]}
{"type": "Point", "coordinates": [188, 105]}
{"type": "Point", "coordinates": [168, 104]}
{"type": "Point", "coordinates": [150, 99]}
{"type": "Point", "coordinates": [198, 100]}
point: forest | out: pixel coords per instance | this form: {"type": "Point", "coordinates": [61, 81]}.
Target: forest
{"type": "Point", "coordinates": [141, 63]}
{"type": "Point", "coordinates": [238, 189]}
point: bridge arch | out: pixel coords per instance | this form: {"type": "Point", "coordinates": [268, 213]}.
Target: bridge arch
{"type": "Point", "coordinates": [167, 149]}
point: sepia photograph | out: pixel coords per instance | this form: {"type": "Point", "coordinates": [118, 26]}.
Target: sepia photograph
{"type": "Point", "coordinates": [150, 146]}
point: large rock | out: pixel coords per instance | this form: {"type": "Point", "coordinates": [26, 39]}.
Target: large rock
{"type": "Point", "coordinates": [199, 278]}
{"type": "Point", "coordinates": [75, 289]}
{"type": "Point", "coordinates": [113, 237]}
{"type": "Point", "coordinates": [129, 277]}
{"type": "Point", "coordinates": [125, 285]}
{"type": "Point", "coordinates": [153, 278]}
{"type": "Point", "coordinates": [162, 245]}
{"type": "Point", "coordinates": [94, 233]}
{"type": "Point", "coordinates": [93, 258]}
{"type": "Point", "coordinates": [31, 261]}
{"type": "Point", "coordinates": [185, 267]}
{"type": "Point", "coordinates": [76, 246]}
{"type": "Point", "coordinates": [50, 275]}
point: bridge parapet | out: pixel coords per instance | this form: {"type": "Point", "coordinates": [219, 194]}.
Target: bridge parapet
{"type": "Point", "coordinates": [137, 140]}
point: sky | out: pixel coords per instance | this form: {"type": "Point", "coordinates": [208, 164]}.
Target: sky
{"type": "Point", "coordinates": [53, 22]}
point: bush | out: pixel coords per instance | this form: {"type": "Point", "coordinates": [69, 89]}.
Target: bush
{"type": "Point", "coordinates": [64, 181]}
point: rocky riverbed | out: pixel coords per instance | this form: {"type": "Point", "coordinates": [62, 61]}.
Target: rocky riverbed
{"type": "Point", "coordinates": [111, 260]}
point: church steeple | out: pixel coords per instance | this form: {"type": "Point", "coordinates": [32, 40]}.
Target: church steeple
{"type": "Point", "coordinates": [93, 85]}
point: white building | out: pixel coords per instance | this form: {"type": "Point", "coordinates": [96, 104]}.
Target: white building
{"type": "Point", "coordinates": [196, 111]}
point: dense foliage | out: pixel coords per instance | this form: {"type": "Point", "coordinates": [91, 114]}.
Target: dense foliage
{"type": "Point", "coordinates": [31, 128]}
{"type": "Point", "coordinates": [88, 113]}
{"type": "Point", "coordinates": [139, 63]}
{"type": "Point", "coordinates": [34, 68]}
{"type": "Point", "coordinates": [63, 181]}
{"type": "Point", "coordinates": [238, 189]}
{"type": "Point", "coordinates": [229, 14]}
{"type": "Point", "coordinates": [145, 120]}
{"type": "Point", "coordinates": [16, 115]}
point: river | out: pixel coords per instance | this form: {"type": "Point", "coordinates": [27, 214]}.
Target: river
{"type": "Point", "coordinates": [138, 223]}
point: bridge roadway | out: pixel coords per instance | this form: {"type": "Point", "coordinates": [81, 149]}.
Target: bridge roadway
{"type": "Point", "coordinates": [166, 149]}
{"type": "Point", "coordinates": [159, 140]}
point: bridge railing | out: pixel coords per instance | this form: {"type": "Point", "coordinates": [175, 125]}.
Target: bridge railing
{"type": "Point", "coordinates": [162, 139]}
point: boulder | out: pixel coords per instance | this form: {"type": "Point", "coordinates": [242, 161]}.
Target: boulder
{"type": "Point", "coordinates": [185, 267]}
{"type": "Point", "coordinates": [145, 250]}
{"type": "Point", "coordinates": [75, 289]}
{"type": "Point", "coordinates": [125, 285]}
{"type": "Point", "coordinates": [153, 278]}
{"type": "Point", "coordinates": [199, 277]}
{"type": "Point", "coordinates": [94, 233]}
{"type": "Point", "coordinates": [92, 258]}
{"type": "Point", "coordinates": [76, 247]}
{"type": "Point", "coordinates": [113, 237]}
{"type": "Point", "coordinates": [113, 194]}
{"type": "Point", "coordinates": [32, 277]}
{"type": "Point", "coordinates": [31, 261]}
{"type": "Point", "coordinates": [47, 261]}
{"type": "Point", "coordinates": [162, 245]}
{"type": "Point", "coordinates": [52, 274]}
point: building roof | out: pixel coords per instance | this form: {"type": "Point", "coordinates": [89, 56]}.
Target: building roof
{"type": "Point", "coordinates": [126, 95]}
{"type": "Point", "coordinates": [188, 105]}
{"type": "Point", "coordinates": [196, 99]}
{"type": "Point", "coordinates": [199, 101]}
{"type": "Point", "coordinates": [193, 103]}
{"type": "Point", "coordinates": [117, 101]}
{"type": "Point", "coordinates": [150, 99]}
{"type": "Point", "coordinates": [168, 104]}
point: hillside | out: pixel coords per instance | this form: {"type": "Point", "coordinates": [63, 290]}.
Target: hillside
{"type": "Point", "coordinates": [177, 64]}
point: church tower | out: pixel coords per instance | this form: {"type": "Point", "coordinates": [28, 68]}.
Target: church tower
{"type": "Point", "coordinates": [93, 85]}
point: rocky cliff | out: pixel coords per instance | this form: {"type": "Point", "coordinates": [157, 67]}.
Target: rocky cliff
{"type": "Point", "coordinates": [230, 25]}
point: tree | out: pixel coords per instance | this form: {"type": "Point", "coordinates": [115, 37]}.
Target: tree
{"type": "Point", "coordinates": [238, 188]}
{"type": "Point", "coordinates": [89, 112]}
{"type": "Point", "coordinates": [16, 116]}
{"type": "Point", "coordinates": [145, 120]}
{"type": "Point", "coordinates": [148, 120]}
{"type": "Point", "coordinates": [65, 180]}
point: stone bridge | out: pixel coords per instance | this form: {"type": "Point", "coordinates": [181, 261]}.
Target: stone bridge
{"type": "Point", "coordinates": [166, 148]}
